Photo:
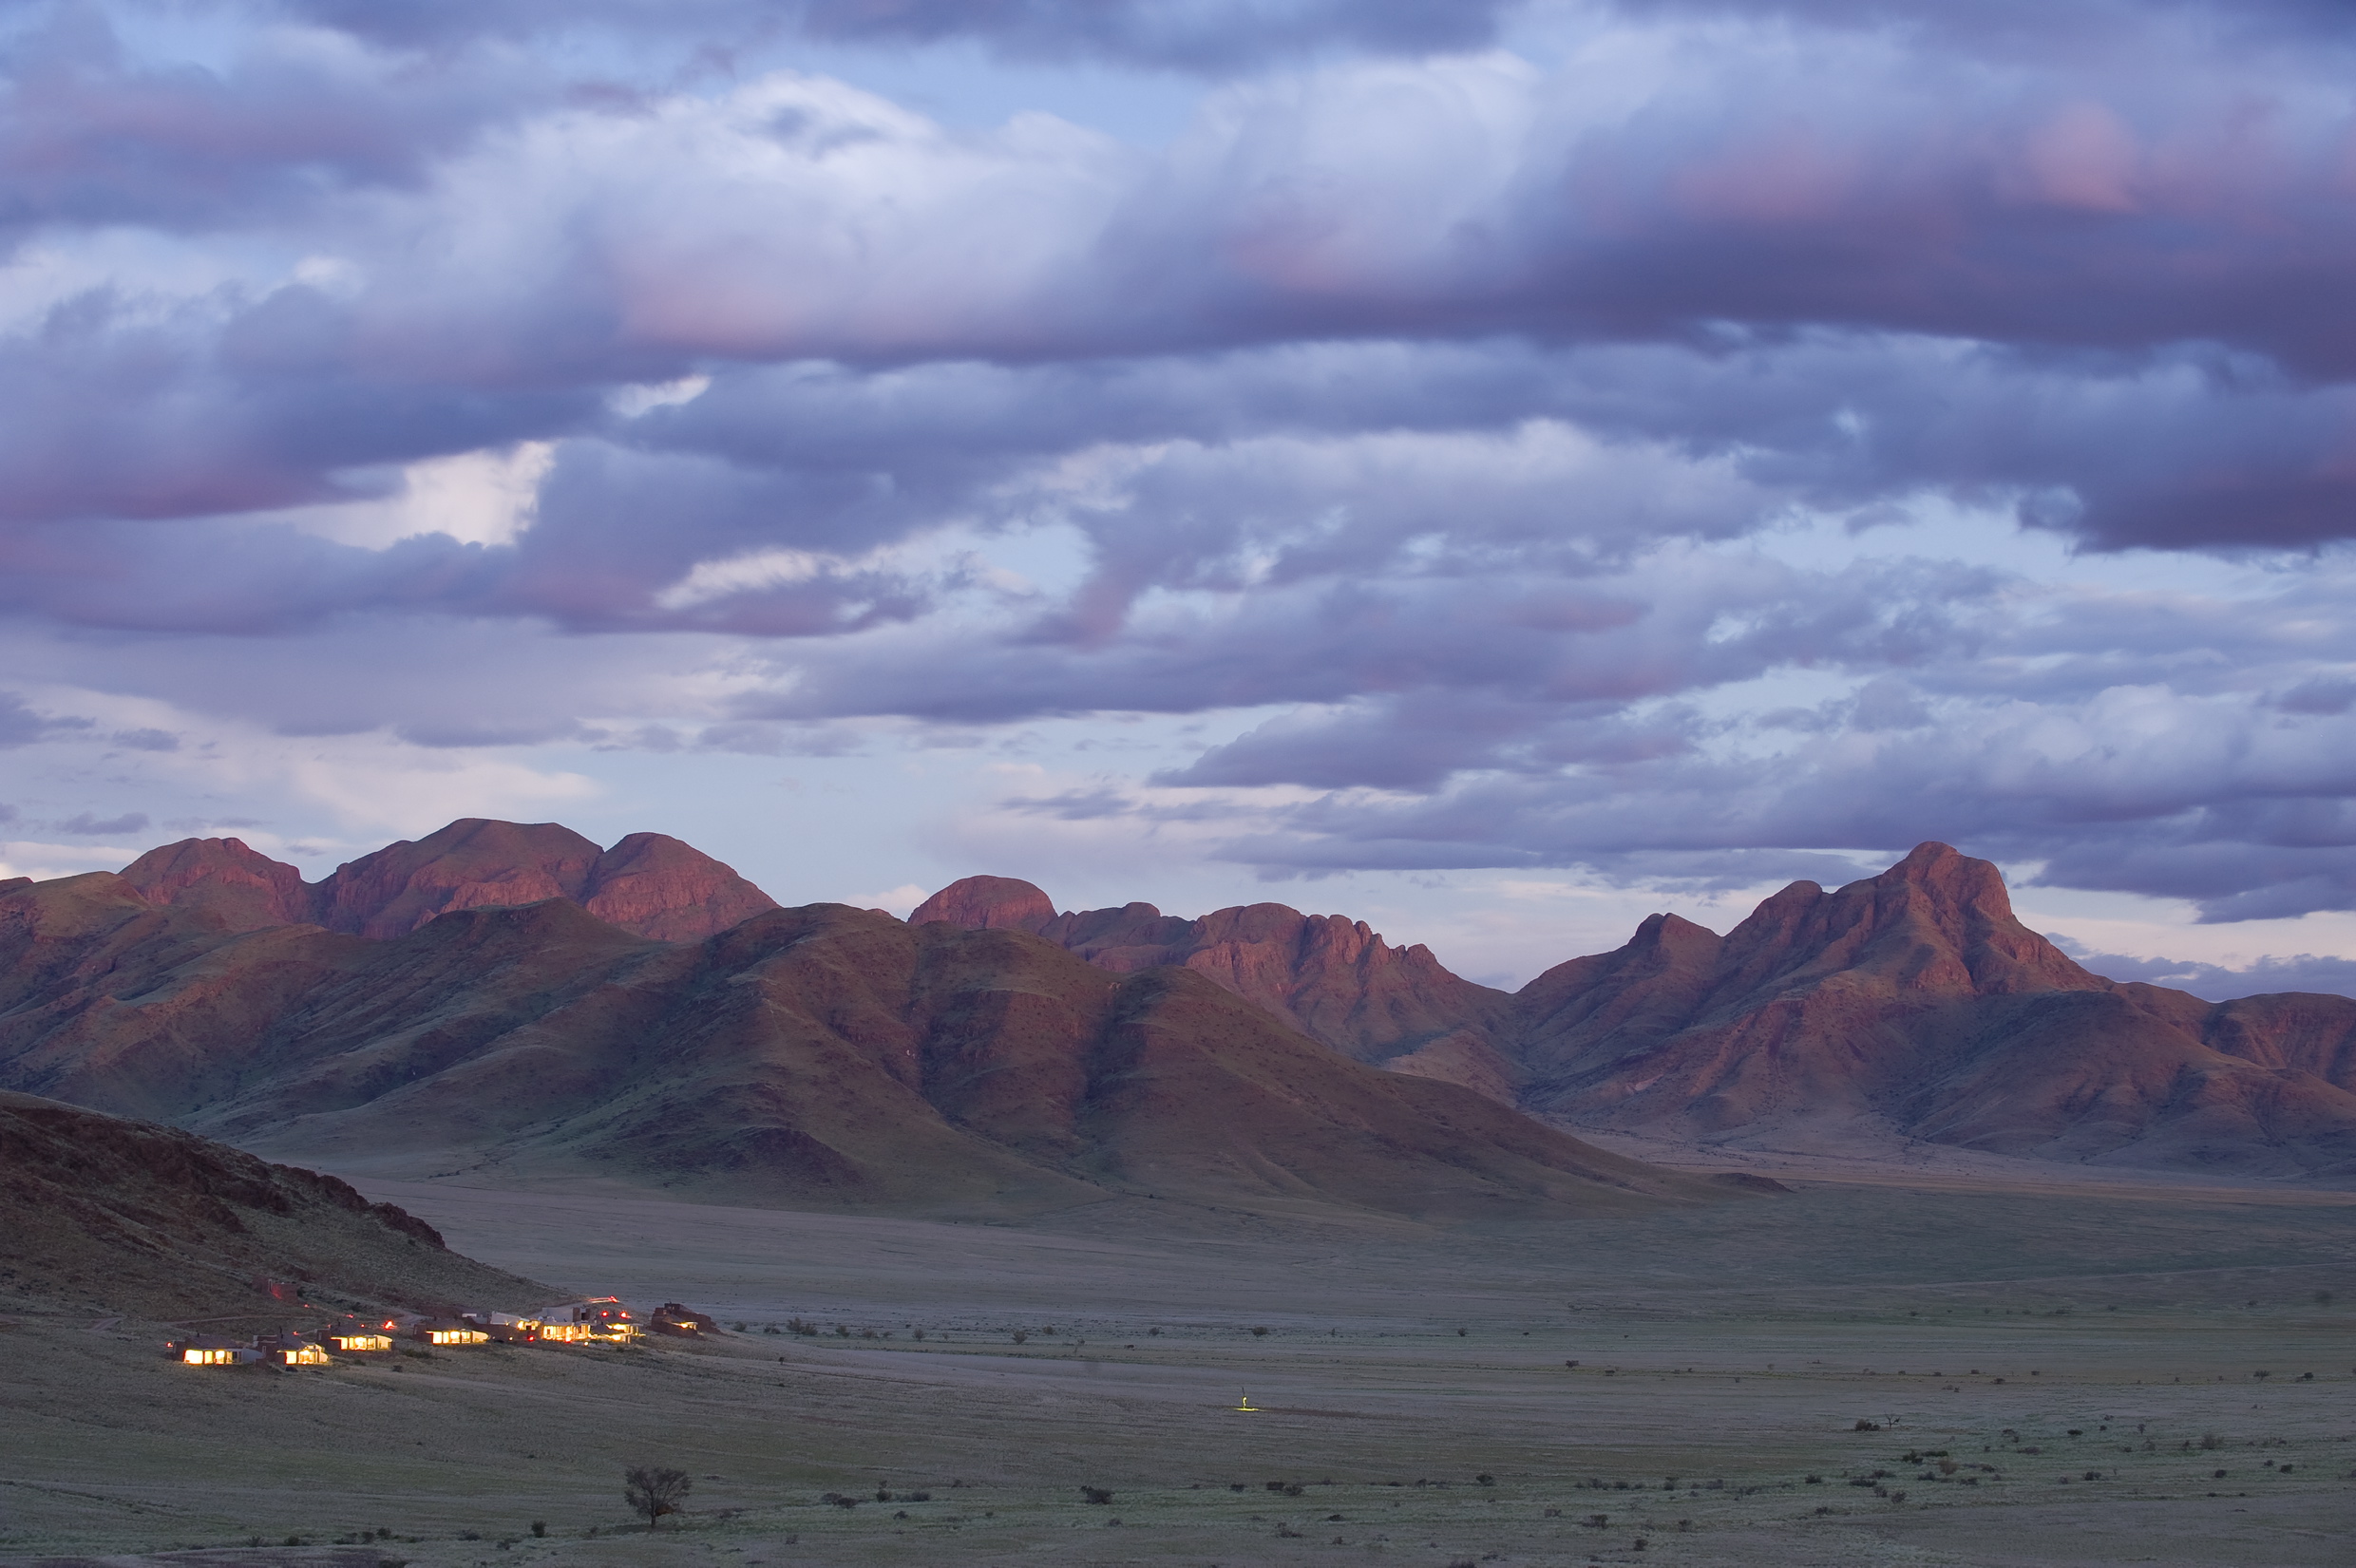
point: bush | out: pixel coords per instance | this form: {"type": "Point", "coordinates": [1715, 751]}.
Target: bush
{"type": "Point", "coordinates": [1260, 1333]}
{"type": "Point", "coordinates": [655, 1490]}
{"type": "Point", "coordinates": [1867, 1426]}
{"type": "Point", "coordinates": [1096, 1494]}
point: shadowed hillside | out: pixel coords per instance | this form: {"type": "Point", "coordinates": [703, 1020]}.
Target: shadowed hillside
{"type": "Point", "coordinates": [110, 1215]}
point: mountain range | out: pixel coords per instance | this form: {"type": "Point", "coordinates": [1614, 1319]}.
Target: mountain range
{"type": "Point", "coordinates": [824, 1054]}
{"type": "Point", "coordinates": [514, 995]}
{"type": "Point", "coordinates": [1912, 1004]}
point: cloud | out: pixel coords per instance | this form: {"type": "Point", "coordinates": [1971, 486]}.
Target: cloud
{"type": "Point", "coordinates": [2222, 983]}
{"type": "Point", "coordinates": [21, 726]}
{"type": "Point", "coordinates": [1205, 35]}
{"type": "Point", "coordinates": [87, 827]}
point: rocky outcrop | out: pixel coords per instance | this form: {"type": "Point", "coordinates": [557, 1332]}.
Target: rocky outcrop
{"type": "Point", "coordinates": [824, 1054]}
{"type": "Point", "coordinates": [1331, 977]}
{"type": "Point", "coordinates": [649, 884]}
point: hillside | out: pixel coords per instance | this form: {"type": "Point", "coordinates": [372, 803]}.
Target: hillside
{"type": "Point", "coordinates": [824, 1054]}
{"type": "Point", "coordinates": [106, 1215]}
{"type": "Point", "coordinates": [1332, 978]}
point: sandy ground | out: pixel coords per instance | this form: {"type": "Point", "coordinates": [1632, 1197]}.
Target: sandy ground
{"type": "Point", "coordinates": [2067, 1348]}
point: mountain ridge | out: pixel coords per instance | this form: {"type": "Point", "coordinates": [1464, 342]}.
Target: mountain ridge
{"type": "Point", "coordinates": [822, 1055]}
{"type": "Point", "coordinates": [1912, 1002]}
{"type": "Point", "coordinates": [647, 883]}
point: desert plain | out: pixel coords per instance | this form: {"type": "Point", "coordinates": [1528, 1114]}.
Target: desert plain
{"type": "Point", "coordinates": [2057, 1367]}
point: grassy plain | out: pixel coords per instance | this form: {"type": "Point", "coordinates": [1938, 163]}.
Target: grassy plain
{"type": "Point", "coordinates": [2067, 1346]}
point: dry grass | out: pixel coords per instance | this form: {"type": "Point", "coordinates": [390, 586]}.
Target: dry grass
{"type": "Point", "coordinates": [1733, 1348]}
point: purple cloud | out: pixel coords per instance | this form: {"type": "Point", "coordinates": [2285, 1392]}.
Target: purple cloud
{"type": "Point", "coordinates": [1182, 34]}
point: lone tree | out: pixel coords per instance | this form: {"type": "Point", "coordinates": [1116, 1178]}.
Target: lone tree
{"type": "Point", "coordinates": [653, 1490]}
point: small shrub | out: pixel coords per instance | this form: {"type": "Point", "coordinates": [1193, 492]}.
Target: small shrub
{"type": "Point", "coordinates": [1023, 1336]}
{"type": "Point", "coordinates": [539, 1527]}
{"type": "Point", "coordinates": [1154, 1333]}
{"type": "Point", "coordinates": [1867, 1426]}
{"type": "Point", "coordinates": [1096, 1494]}
{"type": "Point", "coordinates": [1260, 1333]}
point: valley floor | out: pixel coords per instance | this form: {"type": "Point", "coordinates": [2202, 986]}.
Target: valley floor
{"type": "Point", "coordinates": [2086, 1360]}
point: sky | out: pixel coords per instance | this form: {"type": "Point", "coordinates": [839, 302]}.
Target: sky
{"type": "Point", "coordinates": [1494, 470]}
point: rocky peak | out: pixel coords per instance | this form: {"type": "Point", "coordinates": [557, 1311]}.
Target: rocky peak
{"type": "Point", "coordinates": [988, 903]}
{"type": "Point", "coordinates": [245, 888]}
{"type": "Point", "coordinates": [658, 886]}
{"type": "Point", "coordinates": [649, 884]}
{"type": "Point", "coordinates": [472, 863]}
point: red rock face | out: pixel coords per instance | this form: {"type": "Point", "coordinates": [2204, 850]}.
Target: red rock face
{"type": "Point", "coordinates": [245, 888]}
{"type": "Point", "coordinates": [469, 864]}
{"type": "Point", "coordinates": [987, 904]}
{"type": "Point", "coordinates": [1328, 977]}
{"type": "Point", "coordinates": [656, 886]}
{"type": "Point", "coordinates": [649, 884]}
